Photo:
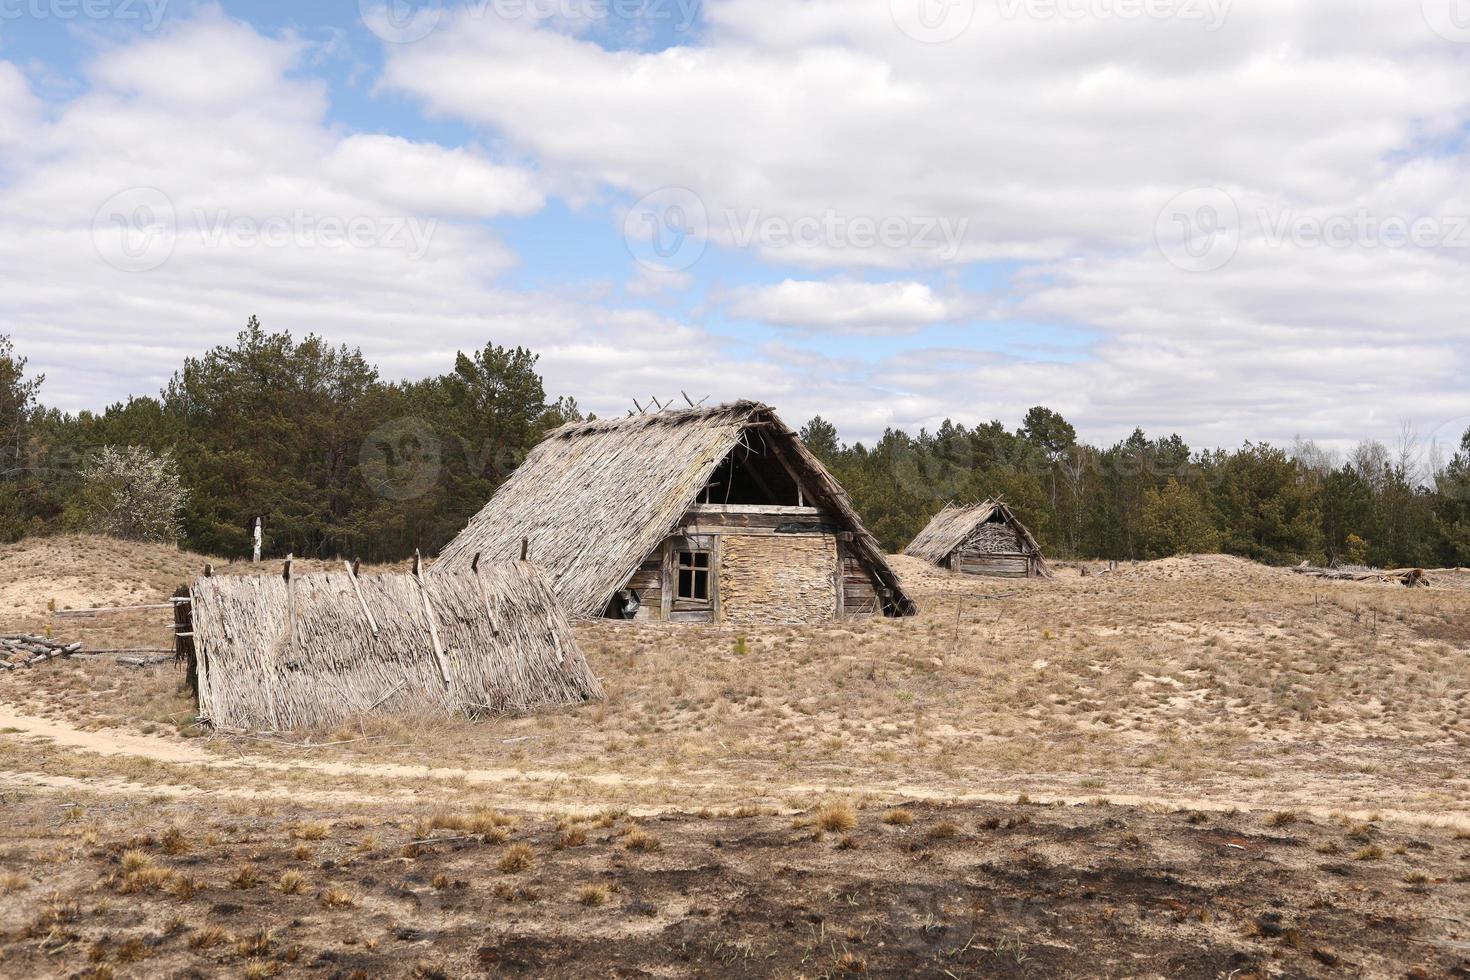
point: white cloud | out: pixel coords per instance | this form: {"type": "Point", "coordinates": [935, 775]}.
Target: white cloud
{"type": "Point", "coordinates": [1053, 143]}
{"type": "Point", "coordinates": [18, 108]}
{"type": "Point", "coordinates": [429, 179]}
{"type": "Point", "coordinates": [844, 307]}
{"type": "Point", "coordinates": [1059, 139]}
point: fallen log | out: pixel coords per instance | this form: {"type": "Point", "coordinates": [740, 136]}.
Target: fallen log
{"type": "Point", "coordinates": [144, 661]}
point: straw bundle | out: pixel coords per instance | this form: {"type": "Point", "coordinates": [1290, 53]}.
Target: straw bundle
{"type": "Point", "coordinates": [955, 525]}
{"type": "Point", "coordinates": [595, 499]}
{"type": "Point", "coordinates": [277, 653]}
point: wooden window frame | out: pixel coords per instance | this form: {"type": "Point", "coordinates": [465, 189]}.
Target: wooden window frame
{"type": "Point", "coordinates": [686, 560]}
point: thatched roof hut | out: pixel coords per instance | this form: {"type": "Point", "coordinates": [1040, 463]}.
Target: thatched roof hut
{"type": "Point", "coordinates": [705, 514]}
{"type": "Point", "coordinates": [277, 652]}
{"type": "Point", "coordinates": [983, 539]}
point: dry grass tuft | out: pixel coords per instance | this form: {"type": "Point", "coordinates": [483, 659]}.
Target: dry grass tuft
{"type": "Point", "coordinates": [291, 883]}
{"type": "Point", "coordinates": [206, 938]}
{"type": "Point", "coordinates": [1370, 853]}
{"type": "Point", "coordinates": [572, 837]}
{"type": "Point", "coordinates": [1283, 818]}
{"type": "Point", "coordinates": [173, 841]}
{"type": "Point", "coordinates": [898, 818]}
{"type": "Point", "coordinates": [837, 817]}
{"type": "Point", "coordinates": [136, 861]}
{"type": "Point", "coordinates": [517, 858]}
{"type": "Point", "coordinates": [336, 898]}
{"type": "Point", "coordinates": [258, 943]}
{"type": "Point", "coordinates": [640, 840]}
{"type": "Point", "coordinates": [312, 830]}
{"type": "Point", "coordinates": [246, 876]}
{"type": "Point", "coordinates": [592, 896]}
{"type": "Point", "coordinates": [944, 830]}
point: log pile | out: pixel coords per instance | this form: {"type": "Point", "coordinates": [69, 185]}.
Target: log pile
{"type": "Point", "coordinates": [1409, 577]}
{"type": "Point", "coordinates": [27, 650]}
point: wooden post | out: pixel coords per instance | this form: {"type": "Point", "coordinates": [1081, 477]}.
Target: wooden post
{"type": "Point", "coordinates": [352, 575]}
{"type": "Point", "coordinates": [484, 596]}
{"type": "Point", "coordinates": [525, 548]}
{"type": "Point", "coordinates": [418, 576]}
{"type": "Point", "coordinates": [290, 600]}
{"type": "Point", "coordinates": [255, 553]}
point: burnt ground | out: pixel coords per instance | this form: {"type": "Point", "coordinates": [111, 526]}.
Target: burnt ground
{"type": "Point", "coordinates": [129, 889]}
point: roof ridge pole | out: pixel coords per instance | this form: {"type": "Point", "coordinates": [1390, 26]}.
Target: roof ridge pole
{"type": "Point", "coordinates": [418, 576]}
{"type": "Point", "coordinates": [352, 567]}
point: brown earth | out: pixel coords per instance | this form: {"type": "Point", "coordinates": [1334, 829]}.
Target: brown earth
{"type": "Point", "coordinates": [953, 891]}
{"type": "Point", "coordinates": [1191, 685]}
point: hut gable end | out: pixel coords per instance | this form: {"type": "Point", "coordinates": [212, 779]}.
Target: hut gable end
{"type": "Point", "coordinates": [598, 501]}
{"type": "Point", "coordinates": [986, 538]}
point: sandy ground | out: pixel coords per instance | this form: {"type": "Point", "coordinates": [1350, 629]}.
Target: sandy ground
{"type": "Point", "coordinates": [1193, 685]}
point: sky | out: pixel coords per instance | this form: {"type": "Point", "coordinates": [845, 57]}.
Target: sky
{"type": "Point", "coordinates": [1230, 220]}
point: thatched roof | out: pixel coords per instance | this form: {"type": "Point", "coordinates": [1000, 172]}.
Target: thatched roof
{"type": "Point", "coordinates": [594, 499]}
{"type": "Point", "coordinates": [276, 655]}
{"type": "Point", "coordinates": [953, 525]}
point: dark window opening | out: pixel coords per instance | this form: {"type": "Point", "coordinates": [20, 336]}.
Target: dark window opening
{"type": "Point", "coordinates": [693, 569]}
{"type": "Point", "coordinates": [752, 474]}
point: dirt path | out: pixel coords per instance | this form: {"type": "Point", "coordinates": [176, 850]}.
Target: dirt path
{"type": "Point", "coordinates": [185, 753]}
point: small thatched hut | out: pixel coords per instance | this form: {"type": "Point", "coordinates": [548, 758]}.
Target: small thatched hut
{"type": "Point", "coordinates": [276, 652]}
{"type": "Point", "coordinates": [985, 539]}
{"type": "Point", "coordinates": [699, 515]}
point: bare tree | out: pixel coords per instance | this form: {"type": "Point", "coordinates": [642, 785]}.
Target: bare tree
{"type": "Point", "coordinates": [134, 493]}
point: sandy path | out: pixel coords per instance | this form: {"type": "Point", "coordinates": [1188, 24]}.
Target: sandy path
{"type": "Point", "coordinates": [184, 753]}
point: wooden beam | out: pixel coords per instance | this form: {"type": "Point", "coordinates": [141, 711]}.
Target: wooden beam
{"type": "Point", "coordinates": [418, 576]}
{"type": "Point", "coordinates": [356, 588]}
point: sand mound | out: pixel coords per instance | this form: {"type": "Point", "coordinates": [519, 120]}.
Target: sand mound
{"type": "Point", "coordinates": [84, 570]}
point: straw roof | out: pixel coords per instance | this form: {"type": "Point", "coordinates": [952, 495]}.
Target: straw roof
{"type": "Point", "coordinates": [953, 525]}
{"type": "Point", "coordinates": [594, 499]}
{"type": "Point", "coordinates": [275, 655]}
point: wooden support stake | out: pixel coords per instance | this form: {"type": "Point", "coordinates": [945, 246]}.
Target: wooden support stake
{"type": "Point", "coordinates": [484, 596]}
{"type": "Point", "coordinates": [525, 548]}
{"type": "Point", "coordinates": [352, 574]}
{"type": "Point", "coordinates": [418, 576]}
{"type": "Point", "coordinates": [290, 599]}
